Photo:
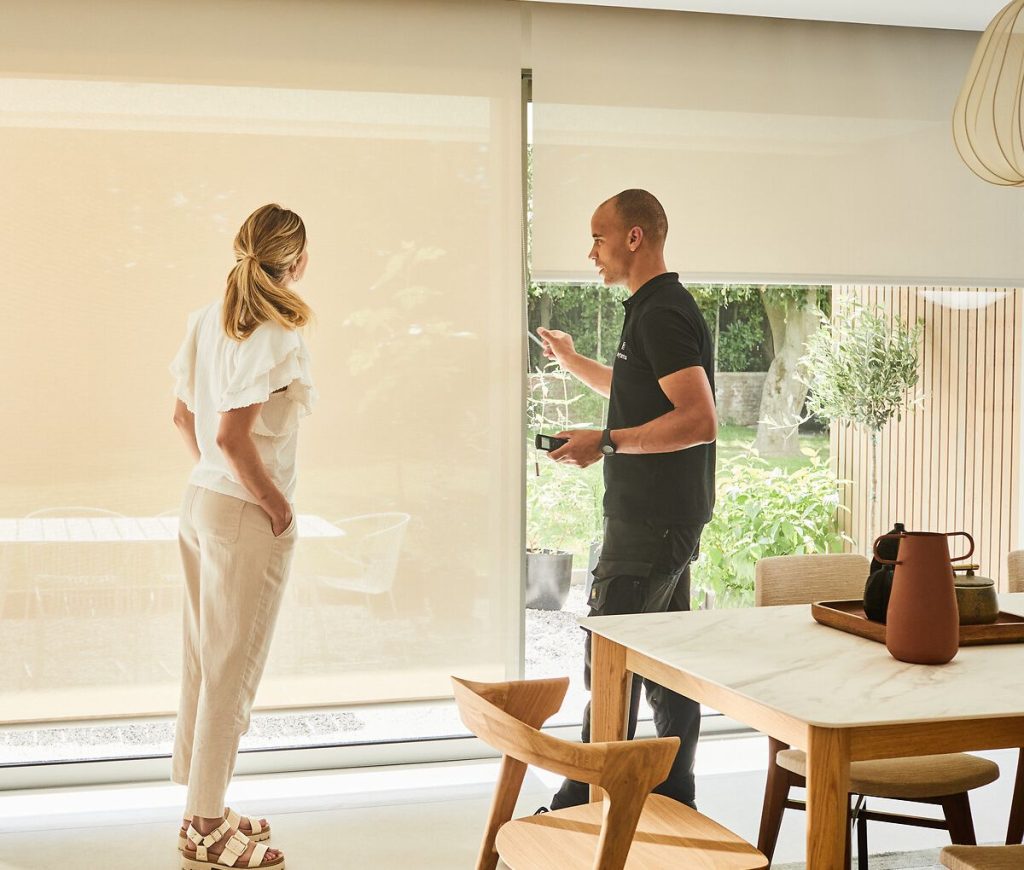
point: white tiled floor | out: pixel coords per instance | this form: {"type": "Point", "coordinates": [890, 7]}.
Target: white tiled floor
{"type": "Point", "coordinates": [428, 817]}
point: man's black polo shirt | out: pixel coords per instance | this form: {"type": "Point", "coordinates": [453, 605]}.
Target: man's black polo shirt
{"type": "Point", "coordinates": [663, 332]}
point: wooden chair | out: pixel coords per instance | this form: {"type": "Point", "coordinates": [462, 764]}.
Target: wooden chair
{"type": "Point", "coordinates": [935, 779]}
{"type": "Point", "coordinates": [1015, 826]}
{"type": "Point", "coordinates": [982, 857]}
{"type": "Point", "coordinates": [631, 828]}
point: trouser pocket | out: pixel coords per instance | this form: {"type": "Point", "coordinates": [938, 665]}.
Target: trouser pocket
{"type": "Point", "coordinates": [616, 587]}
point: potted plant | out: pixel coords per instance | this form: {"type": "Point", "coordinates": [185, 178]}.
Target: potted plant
{"type": "Point", "coordinates": [558, 520]}
{"type": "Point", "coordinates": [559, 499]}
{"type": "Point", "coordinates": [859, 367]}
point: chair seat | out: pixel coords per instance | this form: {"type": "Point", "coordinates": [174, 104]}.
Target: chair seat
{"type": "Point", "coordinates": [925, 776]}
{"type": "Point", "coordinates": [567, 840]}
{"type": "Point", "coordinates": [983, 857]}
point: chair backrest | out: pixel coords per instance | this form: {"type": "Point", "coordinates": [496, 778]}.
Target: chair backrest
{"type": "Point", "coordinates": [1015, 571]}
{"type": "Point", "coordinates": [370, 548]}
{"type": "Point", "coordinates": [44, 513]}
{"type": "Point", "coordinates": [807, 578]}
{"type": "Point", "coordinates": [508, 717]}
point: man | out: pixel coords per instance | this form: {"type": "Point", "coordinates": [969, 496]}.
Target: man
{"type": "Point", "coordinates": [658, 451]}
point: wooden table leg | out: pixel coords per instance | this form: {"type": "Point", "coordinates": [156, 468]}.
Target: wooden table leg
{"type": "Point", "coordinates": [828, 785]}
{"type": "Point", "coordinates": [609, 694]}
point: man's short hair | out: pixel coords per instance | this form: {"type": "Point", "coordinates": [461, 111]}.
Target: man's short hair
{"type": "Point", "coordinates": [638, 208]}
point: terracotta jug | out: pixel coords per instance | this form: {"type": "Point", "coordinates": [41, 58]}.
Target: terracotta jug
{"type": "Point", "coordinates": [923, 623]}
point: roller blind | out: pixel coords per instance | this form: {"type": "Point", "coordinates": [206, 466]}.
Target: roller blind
{"type": "Point", "coordinates": [135, 139]}
{"type": "Point", "coordinates": [782, 150]}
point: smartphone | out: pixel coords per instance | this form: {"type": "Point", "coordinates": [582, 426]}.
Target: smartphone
{"type": "Point", "coordinates": [549, 442]}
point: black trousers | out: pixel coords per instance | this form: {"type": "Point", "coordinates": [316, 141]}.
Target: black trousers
{"type": "Point", "coordinates": [645, 568]}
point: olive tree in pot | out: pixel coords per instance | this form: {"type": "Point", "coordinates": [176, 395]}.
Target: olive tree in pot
{"type": "Point", "coordinates": [859, 368]}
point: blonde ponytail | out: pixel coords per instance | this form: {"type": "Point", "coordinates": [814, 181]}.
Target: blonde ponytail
{"type": "Point", "coordinates": [267, 246]}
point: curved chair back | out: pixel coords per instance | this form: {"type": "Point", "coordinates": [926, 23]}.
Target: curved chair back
{"type": "Point", "coordinates": [503, 716]}
{"type": "Point", "coordinates": [508, 716]}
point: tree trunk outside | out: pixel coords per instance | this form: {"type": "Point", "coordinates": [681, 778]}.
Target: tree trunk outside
{"type": "Point", "coordinates": [782, 398]}
{"type": "Point", "coordinates": [546, 305]}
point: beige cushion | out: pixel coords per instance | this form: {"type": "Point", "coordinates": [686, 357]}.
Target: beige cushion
{"type": "Point", "coordinates": [910, 778]}
{"type": "Point", "coordinates": [814, 577]}
{"type": "Point", "coordinates": [1015, 571]}
{"type": "Point", "coordinates": [983, 857]}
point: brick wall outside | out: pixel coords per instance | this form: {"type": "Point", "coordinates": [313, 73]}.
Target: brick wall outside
{"type": "Point", "coordinates": [739, 396]}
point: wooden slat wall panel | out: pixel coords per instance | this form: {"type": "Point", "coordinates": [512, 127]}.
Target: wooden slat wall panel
{"type": "Point", "coordinates": [952, 463]}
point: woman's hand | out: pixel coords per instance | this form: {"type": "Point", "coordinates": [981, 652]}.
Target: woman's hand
{"type": "Point", "coordinates": [280, 525]}
{"type": "Point", "coordinates": [280, 513]}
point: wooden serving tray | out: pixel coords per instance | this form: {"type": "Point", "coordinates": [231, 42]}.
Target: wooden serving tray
{"type": "Point", "coordinates": [849, 616]}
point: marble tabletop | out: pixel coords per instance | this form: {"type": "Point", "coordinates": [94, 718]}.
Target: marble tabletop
{"type": "Point", "coordinates": [781, 658]}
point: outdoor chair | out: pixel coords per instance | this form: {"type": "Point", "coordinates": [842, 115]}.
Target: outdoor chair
{"type": "Point", "coordinates": [629, 828]}
{"type": "Point", "coordinates": [944, 780]}
{"type": "Point", "coordinates": [363, 559]}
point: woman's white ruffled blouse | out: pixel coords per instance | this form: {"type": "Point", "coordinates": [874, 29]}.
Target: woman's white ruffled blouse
{"type": "Point", "coordinates": [214, 374]}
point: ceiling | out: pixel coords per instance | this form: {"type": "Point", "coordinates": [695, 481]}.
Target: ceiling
{"type": "Point", "coordinates": [948, 14]}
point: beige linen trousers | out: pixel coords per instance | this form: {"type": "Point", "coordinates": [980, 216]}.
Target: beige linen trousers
{"type": "Point", "coordinates": [235, 574]}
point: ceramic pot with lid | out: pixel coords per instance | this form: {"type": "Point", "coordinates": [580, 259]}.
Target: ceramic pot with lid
{"type": "Point", "coordinates": [976, 598]}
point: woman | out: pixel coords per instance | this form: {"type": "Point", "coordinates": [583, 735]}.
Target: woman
{"type": "Point", "coordinates": [243, 382]}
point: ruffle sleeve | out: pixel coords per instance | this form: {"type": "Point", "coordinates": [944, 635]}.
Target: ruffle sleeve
{"type": "Point", "coordinates": [272, 358]}
{"type": "Point", "coordinates": [183, 367]}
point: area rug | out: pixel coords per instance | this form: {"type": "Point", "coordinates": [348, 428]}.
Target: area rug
{"type": "Point", "coordinates": [927, 859]}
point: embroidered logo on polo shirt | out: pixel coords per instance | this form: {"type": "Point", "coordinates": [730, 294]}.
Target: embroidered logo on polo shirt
{"type": "Point", "coordinates": [621, 352]}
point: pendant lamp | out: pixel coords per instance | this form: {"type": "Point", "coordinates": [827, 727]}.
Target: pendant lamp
{"type": "Point", "coordinates": [988, 128]}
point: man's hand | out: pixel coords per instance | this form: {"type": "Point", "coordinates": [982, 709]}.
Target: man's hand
{"type": "Point", "coordinates": [558, 345]}
{"type": "Point", "coordinates": [583, 449]}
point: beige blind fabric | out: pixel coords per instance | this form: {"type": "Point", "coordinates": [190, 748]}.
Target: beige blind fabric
{"type": "Point", "coordinates": [782, 150]}
{"type": "Point", "coordinates": [135, 139]}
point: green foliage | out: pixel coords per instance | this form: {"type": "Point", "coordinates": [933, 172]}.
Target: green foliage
{"type": "Point", "coordinates": [740, 346]}
{"type": "Point", "coordinates": [591, 313]}
{"type": "Point", "coordinates": [563, 504]}
{"type": "Point", "coordinates": [763, 510]}
{"type": "Point", "coordinates": [860, 366]}
{"type": "Point", "coordinates": [769, 294]}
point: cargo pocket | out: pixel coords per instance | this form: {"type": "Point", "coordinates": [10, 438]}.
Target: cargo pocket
{"type": "Point", "coordinates": [617, 585]}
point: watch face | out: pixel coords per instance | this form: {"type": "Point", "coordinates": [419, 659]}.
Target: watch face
{"type": "Point", "coordinates": [607, 449]}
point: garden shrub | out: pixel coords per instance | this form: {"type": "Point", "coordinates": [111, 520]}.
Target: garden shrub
{"type": "Point", "coordinates": [763, 510]}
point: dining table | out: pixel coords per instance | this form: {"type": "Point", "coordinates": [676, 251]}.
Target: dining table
{"type": "Point", "coordinates": [837, 696]}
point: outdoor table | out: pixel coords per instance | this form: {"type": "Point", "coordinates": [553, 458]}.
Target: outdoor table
{"type": "Point", "coordinates": [839, 697]}
{"type": "Point", "coordinates": [29, 530]}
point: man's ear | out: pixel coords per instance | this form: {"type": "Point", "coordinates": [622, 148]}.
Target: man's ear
{"type": "Point", "coordinates": [634, 238]}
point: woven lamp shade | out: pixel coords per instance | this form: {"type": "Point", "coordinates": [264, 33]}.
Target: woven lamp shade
{"type": "Point", "coordinates": [987, 120]}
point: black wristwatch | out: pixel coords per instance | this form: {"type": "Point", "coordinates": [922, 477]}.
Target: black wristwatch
{"type": "Point", "coordinates": [607, 445]}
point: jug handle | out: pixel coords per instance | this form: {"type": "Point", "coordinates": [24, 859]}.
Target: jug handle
{"type": "Point", "coordinates": [874, 549]}
{"type": "Point", "coordinates": [966, 555]}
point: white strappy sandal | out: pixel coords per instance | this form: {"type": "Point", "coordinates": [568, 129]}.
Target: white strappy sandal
{"type": "Point", "coordinates": [259, 832]}
{"type": "Point", "coordinates": [235, 845]}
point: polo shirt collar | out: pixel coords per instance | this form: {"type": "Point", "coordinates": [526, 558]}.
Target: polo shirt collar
{"type": "Point", "coordinates": [648, 288]}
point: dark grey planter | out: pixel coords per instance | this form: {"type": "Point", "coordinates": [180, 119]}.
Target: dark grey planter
{"type": "Point", "coordinates": [548, 575]}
